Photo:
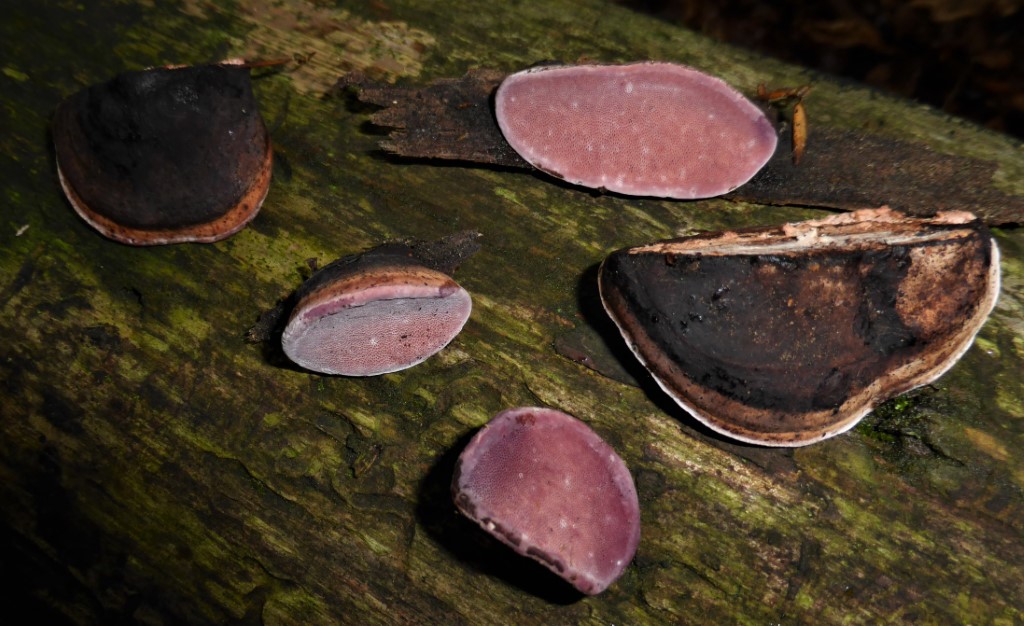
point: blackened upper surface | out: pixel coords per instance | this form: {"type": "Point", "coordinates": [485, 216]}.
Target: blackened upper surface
{"type": "Point", "coordinates": [390, 255]}
{"type": "Point", "coordinates": [797, 332]}
{"type": "Point", "coordinates": [443, 255]}
{"type": "Point", "coordinates": [163, 148]}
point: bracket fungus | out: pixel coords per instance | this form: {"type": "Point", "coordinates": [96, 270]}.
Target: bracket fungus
{"type": "Point", "coordinates": [380, 311]}
{"type": "Point", "coordinates": [785, 336]}
{"type": "Point", "coordinates": [549, 487]}
{"type": "Point", "coordinates": [165, 155]}
{"type": "Point", "coordinates": [646, 129]}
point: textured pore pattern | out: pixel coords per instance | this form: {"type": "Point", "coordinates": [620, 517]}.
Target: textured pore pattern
{"type": "Point", "coordinates": [650, 129]}
{"type": "Point", "coordinates": [544, 483]}
{"type": "Point", "coordinates": [380, 336]}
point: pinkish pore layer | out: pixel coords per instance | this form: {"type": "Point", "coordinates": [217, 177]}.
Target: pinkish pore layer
{"type": "Point", "coordinates": [646, 129]}
{"type": "Point", "coordinates": [547, 485]}
{"type": "Point", "coordinates": [376, 330]}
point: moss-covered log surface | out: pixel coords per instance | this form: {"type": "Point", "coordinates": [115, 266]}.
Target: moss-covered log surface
{"type": "Point", "coordinates": [157, 467]}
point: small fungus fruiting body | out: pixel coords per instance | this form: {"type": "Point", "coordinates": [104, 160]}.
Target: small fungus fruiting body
{"type": "Point", "coordinates": [373, 313]}
{"type": "Point", "coordinates": [165, 155]}
{"type": "Point", "coordinates": [799, 113]}
{"type": "Point", "coordinates": [788, 335]}
{"type": "Point", "coordinates": [549, 487]}
{"type": "Point", "coordinates": [646, 129]}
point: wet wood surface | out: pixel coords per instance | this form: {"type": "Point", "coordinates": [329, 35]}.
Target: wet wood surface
{"type": "Point", "coordinates": [453, 119]}
{"type": "Point", "coordinates": [158, 467]}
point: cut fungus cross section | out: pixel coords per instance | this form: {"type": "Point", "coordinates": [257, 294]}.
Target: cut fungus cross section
{"type": "Point", "coordinates": [549, 487]}
{"type": "Point", "coordinates": [788, 335]}
{"type": "Point", "coordinates": [647, 129]}
{"type": "Point", "coordinates": [376, 312]}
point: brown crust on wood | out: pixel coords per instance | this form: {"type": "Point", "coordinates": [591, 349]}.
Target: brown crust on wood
{"type": "Point", "coordinates": [452, 119]}
{"type": "Point", "coordinates": [849, 170]}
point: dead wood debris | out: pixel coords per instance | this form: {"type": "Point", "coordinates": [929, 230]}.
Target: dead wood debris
{"type": "Point", "coordinates": [453, 119]}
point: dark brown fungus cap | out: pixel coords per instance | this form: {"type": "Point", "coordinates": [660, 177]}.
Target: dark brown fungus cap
{"type": "Point", "coordinates": [788, 335]}
{"type": "Point", "coordinates": [376, 312]}
{"type": "Point", "coordinates": [165, 155]}
{"type": "Point", "coordinates": [549, 487]}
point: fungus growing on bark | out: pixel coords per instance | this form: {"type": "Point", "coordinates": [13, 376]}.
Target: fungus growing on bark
{"type": "Point", "coordinates": [788, 335]}
{"type": "Point", "coordinates": [550, 488]}
{"type": "Point", "coordinates": [646, 129]}
{"type": "Point", "coordinates": [380, 311]}
{"type": "Point", "coordinates": [165, 155]}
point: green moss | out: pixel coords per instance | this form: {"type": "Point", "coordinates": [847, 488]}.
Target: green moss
{"type": "Point", "coordinates": [220, 474]}
{"type": "Point", "coordinates": [14, 74]}
{"type": "Point", "coordinates": [294, 605]}
{"type": "Point", "coordinates": [989, 347]}
{"type": "Point", "coordinates": [894, 419]}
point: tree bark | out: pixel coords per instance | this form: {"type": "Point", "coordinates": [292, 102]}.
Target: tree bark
{"type": "Point", "coordinates": [158, 468]}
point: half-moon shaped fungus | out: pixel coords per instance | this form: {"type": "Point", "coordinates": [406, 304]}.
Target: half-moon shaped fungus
{"type": "Point", "coordinates": [785, 336]}
{"type": "Point", "coordinates": [548, 486]}
{"type": "Point", "coordinates": [381, 311]}
{"type": "Point", "coordinates": [165, 155]}
{"type": "Point", "coordinates": [645, 129]}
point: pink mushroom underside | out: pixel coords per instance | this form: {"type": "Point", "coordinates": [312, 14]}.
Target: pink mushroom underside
{"type": "Point", "coordinates": [377, 330]}
{"type": "Point", "coordinates": [548, 486]}
{"type": "Point", "coordinates": [650, 129]}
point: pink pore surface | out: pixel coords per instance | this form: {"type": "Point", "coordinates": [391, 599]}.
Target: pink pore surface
{"type": "Point", "coordinates": [647, 129]}
{"type": "Point", "coordinates": [376, 330]}
{"type": "Point", "coordinates": [548, 486]}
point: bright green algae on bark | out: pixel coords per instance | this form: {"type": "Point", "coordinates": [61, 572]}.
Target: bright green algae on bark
{"type": "Point", "coordinates": [213, 481]}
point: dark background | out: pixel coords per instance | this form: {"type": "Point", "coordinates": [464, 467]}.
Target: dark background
{"type": "Point", "coordinates": [965, 57]}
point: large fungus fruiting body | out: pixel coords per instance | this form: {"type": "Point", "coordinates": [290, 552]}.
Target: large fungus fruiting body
{"type": "Point", "coordinates": [647, 129]}
{"type": "Point", "coordinates": [165, 155]}
{"type": "Point", "coordinates": [372, 313]}
{"type": "Point", "coordinates": [788, 335]}
{"type": "Point", "coordinates": [549, 487]}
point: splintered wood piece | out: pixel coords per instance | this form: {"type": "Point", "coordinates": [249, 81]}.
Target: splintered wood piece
{"type": "Point", "coordinates": [785, 336]}
{"type": "Point", "coordinates": [799, 131]}
{"type": "Point", "coordinates": [453, 119]}
{"type": "Point", "coordinates": [799, 139]}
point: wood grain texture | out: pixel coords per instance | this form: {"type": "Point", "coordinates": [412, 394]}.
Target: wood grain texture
{"type": "Point", "coordinates": [158, 468]}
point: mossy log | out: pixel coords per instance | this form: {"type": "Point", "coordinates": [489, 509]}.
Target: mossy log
{"type": "Point", "coordinates": [157, 467]}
